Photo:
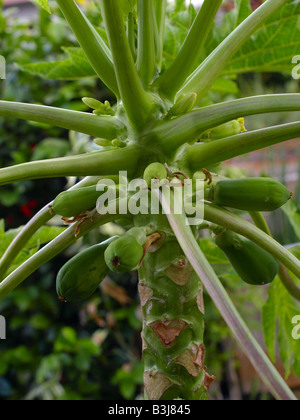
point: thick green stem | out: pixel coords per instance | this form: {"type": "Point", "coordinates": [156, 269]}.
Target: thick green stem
{"type": "Point", "coordinates": [283, 274]}
{"type": "Point", "coordinates": [172, 134]}
{"type": "Point", "coordinates": [173, 326]}
{"type": "Point", "coordinates": [136, 101]}
{"type": "Point", "coordinates": [146, 57]}
{"type": "Point", "coordinates": [106, 127]}
{"type": "Point", "coordinates": [40, 219]}
{"type": "Point", "coordinates": [96, 163]}
{"type": "Point", "coordinates": [183, 65]}
{"type": "Point", "coordinates": [206, 155]}
{"type": "Point", "coordinates": [91, 42]}
{"type": "Point", "coordinates": [206, 74]}
{"type": "Point", "coordinates": [239, 225]}
{"type": "Point", "coordinates": [50, 251]}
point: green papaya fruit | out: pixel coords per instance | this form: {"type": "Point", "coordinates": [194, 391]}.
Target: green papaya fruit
{"type": "Point", "coordinates": [81, 275]}
{"type": "Point", "coordinates": [252, 263]}
{"type": "Point", "coordinates": [228, 129]}
{"type": "Point", "coordinates": [184, 104]}
{"type": "Point", "coordinates": [139, 234]}
{"type": "Point", "coordinates": [250, 194]}
{"type": "Point", "coordinates": [74, 202]}
{"type": "Point", "coordinates": [155, 171]}
{"type": "Point", "coordinates": [124, 254]}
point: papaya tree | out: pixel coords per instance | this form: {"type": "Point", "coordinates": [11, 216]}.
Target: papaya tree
{"type": "Point", "coordinates": [165, 126]}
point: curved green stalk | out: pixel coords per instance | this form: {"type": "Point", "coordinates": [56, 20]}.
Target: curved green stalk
{"type": "Point", "coordinates": [51, 250]}
{"type": "Point", "coordinates": [264, 368]}
{"type": "Point", "coordinates": [206, 74]}
{"type": "Point", "coordinates": [146, 57]}
{"type": "Point", "coordinates": [231, 221]}
{"type": "Point", "coordinates": [283, 274]}
{"type": "Point", "coordinates": [183, 65]}
{"type": "Point", "coordinates": [95, 163]}
{"type": "Point", "coordinates": [160, 13]}
{"type": "Point", "coordinates": [172, 134]}
{"type": "Point", "coordinates": [91, 42]}
{"type": "Point", "coordinates": [40, 219]}
{"type": "Point", "coordinates": [206, 155]}
{"type": "Point", "coordinates": [106, 127]}
{"type": "Point", "coordinates": [136, 101]}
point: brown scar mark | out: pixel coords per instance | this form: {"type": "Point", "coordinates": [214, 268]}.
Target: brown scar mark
{"type": "Point", "coordinates": [150, 241]}
{"type": "Point", "coordinates": [168, 331]}
{"type": "Point", "coordinates": [208, 380]}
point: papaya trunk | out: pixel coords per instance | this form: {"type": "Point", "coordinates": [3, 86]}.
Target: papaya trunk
{"type": "Point", "coordinates": [171, 297]}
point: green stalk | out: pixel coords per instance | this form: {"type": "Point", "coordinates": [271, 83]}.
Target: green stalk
{"type": "Point", "coordinates": [260, 361]}
{"type": "Point", "coordinates": [172, 134]}
{"type": "Point", "coordinates": [146, 57]}
{"type": "Point", "coordinates": [96, 163]}
{"type": "Point", "coordinates": [136, 102]}
{"type": "Point", "coordinates": [160, 13]}
{"type": "Point", "coordinates": [51, 250]}
{"type": "Point", "coordinates": [205, 75]}
{"type": "Point", "coordinates": [283, 274]}
{"type": "Point", "coordinates": [39, 220]}
{"type": "Point", "coordinates": [206, 155]}
{"type": "Point", "coordinates": [239, 225]}
{"type": "Point", "coordinates": [104, 126]}
{"type": "Point", "coordinates": [183, 65]}
{"type": "Point", "coordinates": [91, 42]}
{"type": "Point", "coordinates": [173, 326]}
{"type": "Point", "coordinates": [131, 34]}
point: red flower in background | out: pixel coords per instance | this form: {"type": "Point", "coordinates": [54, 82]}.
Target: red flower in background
{"type": "Point", "coordinates": [27, 209]}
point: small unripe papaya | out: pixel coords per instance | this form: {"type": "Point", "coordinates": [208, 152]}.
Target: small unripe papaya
{"type": "Point", "coordinates": [81, 275]}
{"type": "Point", "coordinates": [124, 254]}
{"type": "Point", "coordinates": [139, 234]}
{"type": "Point", "coordinates": [228, 129]}
{"type": "Point", "coordinates": [250, 194]}
{"type": "Point", "coordinates": [252, 263]}
{"type": "Point", "coordinates": [72, 203]}
{"type": "Point", "coordinates": [155, 171]}
{"type": "Point", "coordinates": [184, 104]}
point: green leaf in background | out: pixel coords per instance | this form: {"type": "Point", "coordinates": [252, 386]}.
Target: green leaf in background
{"type": "Point", "coordinates": [272, 48]}
{"type": "Point", "coordinates": [293, 214]}
{"type": "Point", "coordinates": [44, 4]}
{"type": "Point", "coordinates": [44, 235]}
{"type": "Point", "coordinates": [76, 66]}
{"type": "Point", "coordinates": [278, 313]}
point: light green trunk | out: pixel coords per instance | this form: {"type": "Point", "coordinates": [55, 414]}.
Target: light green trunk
{"type": "Point", "coordinates": [173, 326]}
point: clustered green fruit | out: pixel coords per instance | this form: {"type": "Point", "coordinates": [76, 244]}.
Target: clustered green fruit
{"type": "Point", "coordinates": [124, 254]}
{"type": "Point", "coordinates": [250, 194]}
{"type": "Point", "coordinates": [74, 202]}
{"type": "Point", "coordinates": [252, 263]}
{"type": "Point", "coordinates": [81, 275]}
{"type": "Point", "coordinates": [155, 171]}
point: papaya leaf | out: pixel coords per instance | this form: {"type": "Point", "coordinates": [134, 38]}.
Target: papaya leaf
{"type": "Point", "coordinates": [43, 3]}
{"type": "Point", "coordinates": [44, 235]}
{"type": "Point", "coordinates": [293, 214]}
{"type": "Point", "coordinates": [76, 66]}
{"type": "Point", "coordinates": [272, 48]}
{"type": "Point", "coordinates": [278, 313]}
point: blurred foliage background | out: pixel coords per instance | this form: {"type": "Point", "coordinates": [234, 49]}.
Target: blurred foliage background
{"type": "Point", "coordinates": [92, 351]}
